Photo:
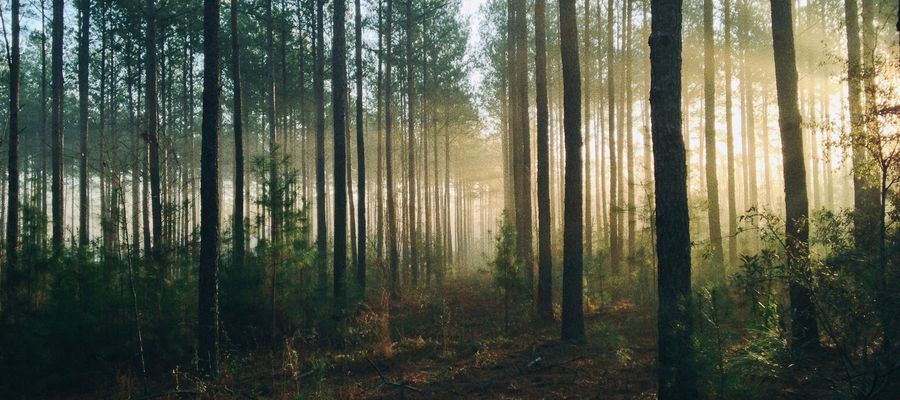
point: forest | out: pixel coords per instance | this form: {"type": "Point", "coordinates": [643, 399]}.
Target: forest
{"type": "Point", "coordinates": [450, 199]}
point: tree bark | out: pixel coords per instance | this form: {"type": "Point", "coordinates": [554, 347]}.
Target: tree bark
{"type": "Point", "coordinates": [274, 179]}
{"type": "Point", "coordinates": [208, 307]}
{"type": "Point", "coordinates": [360, 157]}
{"type": "Point", "coordinates": [391, 239]}
{"type": "Point", "coordinates": [545, 258]}
{"type": "Point", "coordinates": [83, 60]}
{"type": "Point", "coordinates": [804, 330]}
{"type": "Point", "coordinates": [709, 108]}
{"type": "Point", "coordinates": [573, 226]}
{"type": "Point", "coordinates": [339, 103]}
{"type": "Point", "coordinates": [729, 137]}
{"type": "Point", "coordinates": [152, 110]}
{"type": "Point", "coordinates": [676, 371]}
{"type": "Point", "coordinates": [613, 167]}
{"type": "Point", "coordinates": [12, 213]}
{"type": "Point", "coordinates": [410, 148]}
{"type": "Point", "coordinates": [238, 122]}
{"type": "Point", "coordinates": [319, 99]}
{"type": "Point", "coordinates": [56, 121]}
{"type": "Point", "coordinates": [587, 63]}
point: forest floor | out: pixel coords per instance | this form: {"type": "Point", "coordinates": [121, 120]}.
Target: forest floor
{"type": "Point", "coordinates": [455, 342]}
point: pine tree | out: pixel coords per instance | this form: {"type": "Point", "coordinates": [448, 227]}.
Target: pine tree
{"type": "Point", "coordinates": [804, 330]}
{"type": "Point", "coordinates": [208, 307]}
{"type": "Point", "coordinates": [676, 372]}
{"type": "Point", "coordinates": [573, 226]}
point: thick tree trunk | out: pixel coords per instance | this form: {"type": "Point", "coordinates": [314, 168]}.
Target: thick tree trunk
{"type": "Point", "coordinates": [804, 330]}
{"type": "Point", "coordinates": [208, 306]}
{"type": "Point", "coordinates": [572, 291]}
{"type": "Point", "coordinates": [676, 371]}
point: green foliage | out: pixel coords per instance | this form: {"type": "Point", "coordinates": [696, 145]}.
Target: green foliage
{"type": "Point", "coordinates": [508, 271]}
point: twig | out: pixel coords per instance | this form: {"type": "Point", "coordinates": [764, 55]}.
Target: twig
{"type": "Point", "coordinates": [169, 393]}
{"type": "Point", "coordinates": [402, 385]}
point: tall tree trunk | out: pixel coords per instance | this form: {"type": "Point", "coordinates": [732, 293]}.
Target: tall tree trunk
{"type": "Point", "coordinates": [238, 123]}
{"type": "Point", "coordinates": [709, 108]}
{"type": "Point", "coordinates": [729, 137]}
{"type": "Point", "coordinates": [12, 213]}
{"type": "Point", "coordinates": [545, 258]}
{"type": "Point", "coordinates": [572, 290]}
{"type": "Point", "coordinates": [319, 99]}
{"type": "Point", "coordinates": [393, 254]}
{"type": "Point", "coordinates": [56, 111]}
{"type": "Point", "coordinates": [152, 115]}
{"type": "Point", "coordinates": [613, 167]}
{"type": "Point", "coordinates": [523, 147]}
{"type": "Point", "coordinates": [410, 148]}
{"type": "Point", "coordinates": [865, 196]}
{"type": "Point", "coordinates": [83, 59]}
{"type": "Point", "coordinates": [208, 302]}
{"type": "Point", "coordinates": [44, 134]}
{"type": "Point", "coordinates": [360, 157]}
{"type": "Point", "coordinates": [676, 371]}
{"type": "Point", "coordinates": [274, 179]}
{"type": "Point", "coordinates": [339, 104]}
{"type": "Point", "coordinates": [379, 199]}
{"type": "Point", "coordinates": [629, 135]}
{"type": "Point", "coordinates": [587, 63]}
{"type": "Point", "coordinates": [804, 330]}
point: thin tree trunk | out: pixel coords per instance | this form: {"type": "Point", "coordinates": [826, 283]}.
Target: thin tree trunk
{"type": "Point", "coordinates": [393, 256]}
{"type": "Point", "coordinates": [238, 124]}
{"type": "Point", "coordinates": [274, 180]}
{"type": "Point", "coordinates": [319, 99]}
{"type": "Point", "coordinates": [12, 213]}
{"type": "Point", "coordinates": [545, 258]}
{"type": "Point", "coordinates": [56, 111]}
{"type": "Point", "coordinates": [339, 104]}
{"type": "Point", "coordinates": [361, 158]}
{"type": "Point", "coordinates": [709, 108]}
{"type": "Point", "coordinates": [613, 167]}
{"type": "Point", "coordinates": [152, 110]}
{"type": "Point", "coordinates": [587, 62]}
{"type": "Point", "coordinates": [629, 135]}
{"type": "Point", "coordinates": [729, 137]}
{"type": "Point", "coordinates": [83, 59]}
